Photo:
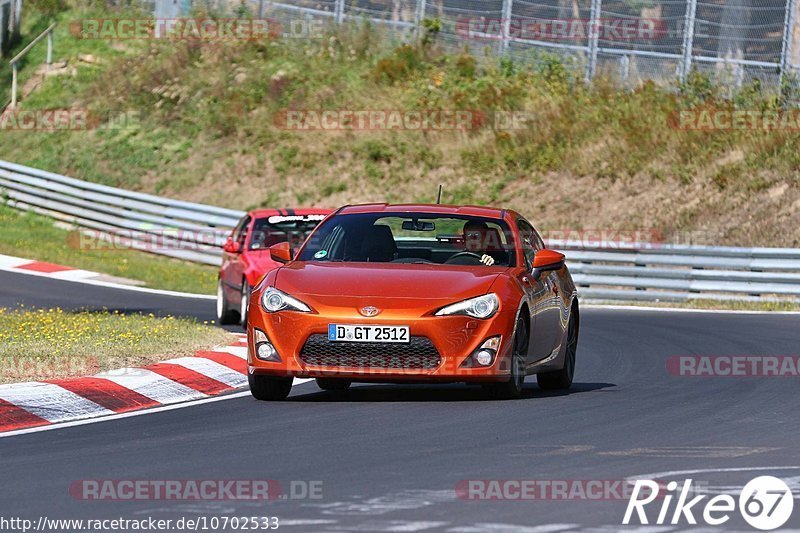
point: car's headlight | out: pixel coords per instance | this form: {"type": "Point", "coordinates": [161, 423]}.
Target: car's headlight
{"type": "Point", "coordinates": [481, 307]}
{"type": "Point", "coordinates": [274, 300]}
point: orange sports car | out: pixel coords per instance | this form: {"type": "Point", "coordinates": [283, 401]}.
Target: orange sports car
{"type": "Point", "coordinates": [415, 293]}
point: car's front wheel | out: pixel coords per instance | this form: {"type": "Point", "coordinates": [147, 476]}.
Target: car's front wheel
{"type": "Point", "coordinates": [267, 388]}
{"type": "Point", "coordinates": [225, 315]}
{"type": "Point", "coordinates": [333, 384]}
{"type": "Point", "coordinates": [562, 379]}
{"type": "Point", "coordinates": [512, 389]}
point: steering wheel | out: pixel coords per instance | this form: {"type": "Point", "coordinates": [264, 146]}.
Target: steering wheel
{"type": "Point", "coordinates": [463, 254]}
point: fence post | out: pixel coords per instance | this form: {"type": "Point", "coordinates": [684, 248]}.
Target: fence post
{"type": "Point", "coordinates": [419, 17]}
{"type": "Point", "coordinates": [50, 48]}
{"type": "Point", "coordinates": [788, 37]}
{"type": "Point", "coordinates": [508, 9]}
{"type": "Point", "coordinates": [13, 85]}
{"type": "Point", "coordinates": [688, 39]}
{"type": "Point", "coordinates": [338, 11]}
{"type": "Point", "coordinates": [594, 38]}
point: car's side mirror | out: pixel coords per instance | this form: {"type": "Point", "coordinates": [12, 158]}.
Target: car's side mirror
{"type": "Point", "coordinates": [280, 252]}
{"type": "Point", "coordinates": [231, 246]}
{"type": "Point", "coordinates": [546, 260]}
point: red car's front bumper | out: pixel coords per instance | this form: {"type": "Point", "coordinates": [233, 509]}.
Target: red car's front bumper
{"type": "Point", "coordinates": [452, 340]}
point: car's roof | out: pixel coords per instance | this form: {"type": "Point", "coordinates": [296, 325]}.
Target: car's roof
{"type": "Point", "coordinates": [439, 209]}
{"type": "Point", "coordinates": [289, 211]}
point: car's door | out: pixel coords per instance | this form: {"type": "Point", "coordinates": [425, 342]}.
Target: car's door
{"type": "Point", "coordinates": [545, 322]}
{"type": "Point", "coordinates": [233, 266]}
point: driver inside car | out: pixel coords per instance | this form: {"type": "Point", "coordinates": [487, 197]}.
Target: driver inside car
{"type": "Point", "coordinates": [479, 239]}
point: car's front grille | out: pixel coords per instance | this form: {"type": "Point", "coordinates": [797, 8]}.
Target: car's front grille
{"type": "Point", "coordinates": [419, 353]}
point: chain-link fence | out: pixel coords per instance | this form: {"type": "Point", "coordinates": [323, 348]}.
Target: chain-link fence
{"type": "Point", "coordinates": [734, 41]}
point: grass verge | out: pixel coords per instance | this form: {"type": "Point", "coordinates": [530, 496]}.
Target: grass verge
{"type": "Point", "coordinates": [35, 237]}
{"type": "Point", "coordinates": [52, 343]}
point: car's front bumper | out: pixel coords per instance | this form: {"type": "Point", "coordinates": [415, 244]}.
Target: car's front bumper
{"type": "Point", "coordinates": [455, 339]}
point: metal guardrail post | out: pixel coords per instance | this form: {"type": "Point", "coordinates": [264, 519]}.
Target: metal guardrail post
{"type": "Point", "coordinates": [508, 9]}
{"type": "Point", "coordinates": [594, 38]}
{"type": "Point", "coordinates": [13, 85]}
{"type": "Point", "coordinates": [50, 48]}
{"type": "Point", "coordinates": [688, 39]}
{"type": "Point", "coordinates": [338, 11]}
{"type": "Point", "coordinates": [788, 37]}
{"type": "Point", "coordinates": [419, 17]}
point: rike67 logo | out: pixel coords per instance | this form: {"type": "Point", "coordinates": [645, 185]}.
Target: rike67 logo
{"type": "Point", "coordinates": [766, 503]}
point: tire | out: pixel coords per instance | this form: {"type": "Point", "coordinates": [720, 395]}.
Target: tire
{"type": "Point", "coordinates": [562, 379]}
{"type": "Point", "coordinates": [512, 389]}
{"type": "Point", "coordinates": [333, 384]}
{"type": "Point", "coordinates": [245, 303]}
{"type": "Point", "coordinates": [225, 315]}
{"type": "Point", "coordinates": [267, 388]}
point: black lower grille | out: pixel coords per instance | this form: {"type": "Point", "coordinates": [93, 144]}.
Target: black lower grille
{"type": "Point", "coordinates": [419, 353]}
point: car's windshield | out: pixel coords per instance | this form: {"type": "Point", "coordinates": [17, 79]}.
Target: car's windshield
{"type": "Point", "coordinates": [275, 229]}
{"type": "Point", "coordinates": [423, 238]}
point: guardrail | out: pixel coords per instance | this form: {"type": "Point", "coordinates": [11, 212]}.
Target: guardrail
{"type": "Point", "coordinates": [184, 230]}
{"type": "Point", "coordinates": [195, 232]}
{"type": "Point", "coordinates": [664, 272]}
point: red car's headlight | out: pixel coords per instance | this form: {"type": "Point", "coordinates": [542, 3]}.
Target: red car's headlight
{"type": "Point", "coordinates": [274, 300]}
{"type": "Point", "coordinates": [481, 307]}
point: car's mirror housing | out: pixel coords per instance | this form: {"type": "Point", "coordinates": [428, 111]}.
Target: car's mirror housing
{"type": "Point", "coordinates": [547, 260]}
{"type": "Point", "coordinates": [231, 246]}
{"type": "Point", "coordinates": [280, 252]}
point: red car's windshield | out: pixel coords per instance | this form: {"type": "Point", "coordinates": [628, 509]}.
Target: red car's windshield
{"type": "Point", "coordinates": [275, 229]}
{"type": "Point", "coordinates": [412, 238]}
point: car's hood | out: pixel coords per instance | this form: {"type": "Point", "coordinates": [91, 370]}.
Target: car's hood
{"type": "Point", "coordinates": [347, 284]}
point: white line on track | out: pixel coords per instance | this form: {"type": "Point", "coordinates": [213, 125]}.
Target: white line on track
{"type": "Point", "coordinates": [108, 284]}
{"type": "Point", "coordinates": [236, 395]}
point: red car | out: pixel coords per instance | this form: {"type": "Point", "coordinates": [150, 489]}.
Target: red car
{"type": "Point", "coordinates": [246, 257]}
{"type": "Point", "coordinates": [392, 293]}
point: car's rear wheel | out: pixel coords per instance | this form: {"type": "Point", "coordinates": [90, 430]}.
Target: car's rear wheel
{"type": "Point", "coordinates": [245, 302]}
{"type": "Point", "coordinates": [268, 388]}
{"type": "Point", "coordinates": [333, 384]}
{"type": "Point", "coordinates": [512, 389]}
{"type": "Point", "coordinates": [562, 379]}
{"type": "Point", "coordinates": [225, 315]}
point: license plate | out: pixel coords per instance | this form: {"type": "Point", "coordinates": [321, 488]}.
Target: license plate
{"type": "Point", "coordinates": [348, 333]}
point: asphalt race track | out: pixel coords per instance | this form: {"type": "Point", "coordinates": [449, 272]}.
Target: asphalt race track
{"type": "Point", "coordinates": [390, 457]}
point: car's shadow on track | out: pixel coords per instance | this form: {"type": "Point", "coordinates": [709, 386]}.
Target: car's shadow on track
{"type": "Point", "coordinates": [433, 393]}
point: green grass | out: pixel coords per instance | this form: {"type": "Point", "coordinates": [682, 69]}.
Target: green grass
{"type": "Point", "coordinates": [591, 155]}
{"type": "Point", "coordinates": [37, 344]}
{"type": "Point", "coordinates": [34, 237]}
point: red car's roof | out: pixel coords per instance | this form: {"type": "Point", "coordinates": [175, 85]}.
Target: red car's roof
{"type": "Point", "coordinates": [470, 210]}
{"type": "Point", "coordinates": [256, 213]}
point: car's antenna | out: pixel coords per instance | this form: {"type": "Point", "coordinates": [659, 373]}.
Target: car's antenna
{"type": "Point", "coordinates": [439, 197]}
